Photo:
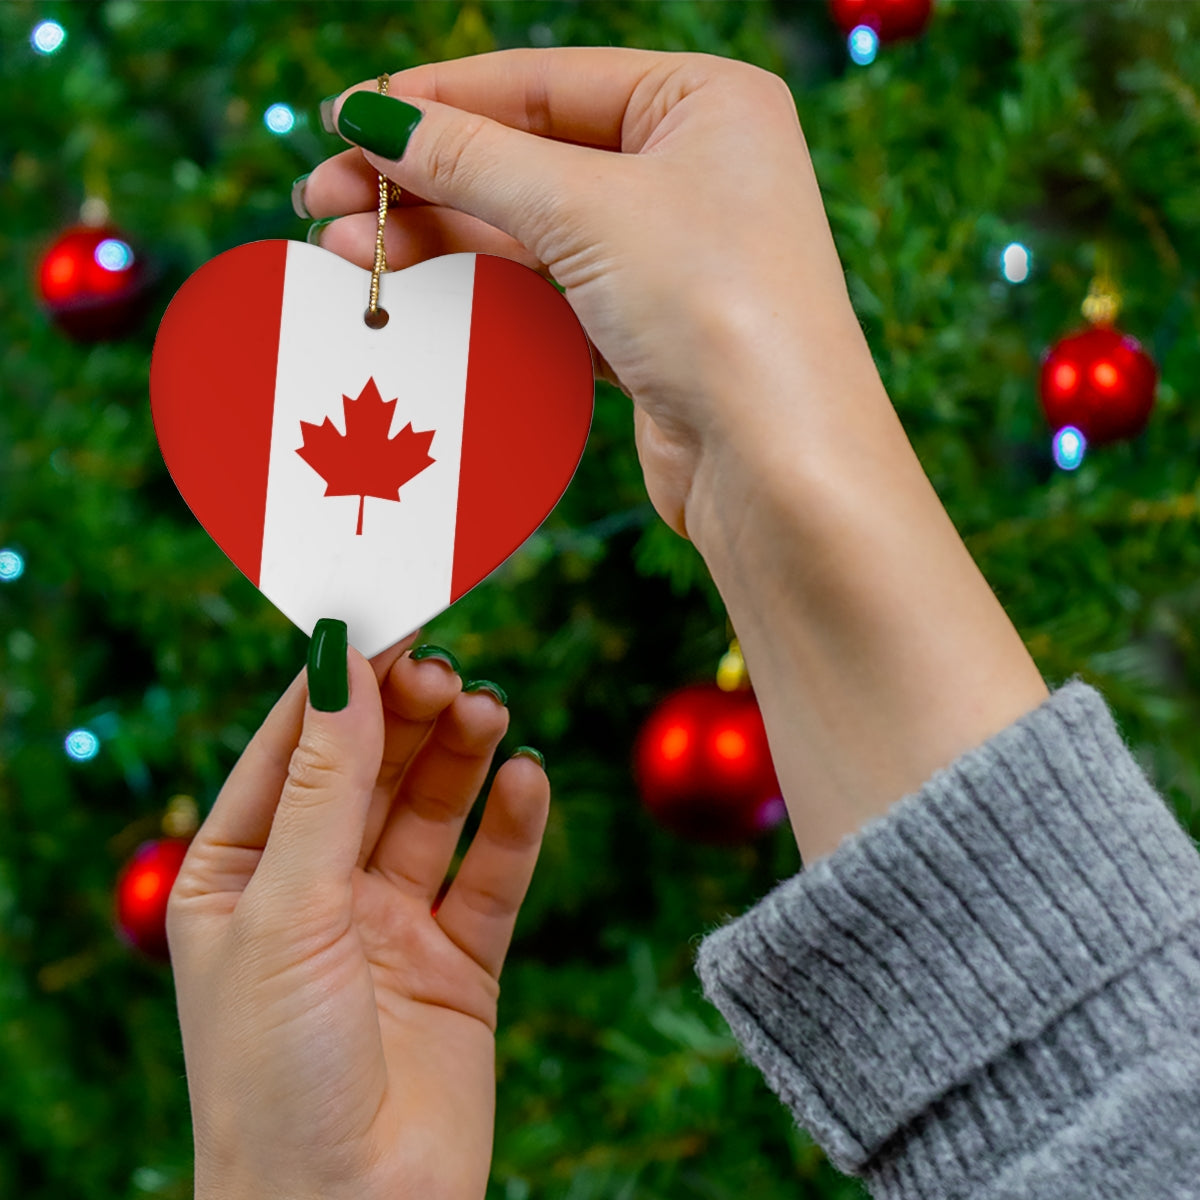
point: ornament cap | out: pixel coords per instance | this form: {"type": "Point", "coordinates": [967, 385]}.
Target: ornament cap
{"type": "Point", "coordinates": [1102, 304]}
{"type": "Point", "coordinates": [731, 671]}
{"type": "Point", "coordinates": [94, 212]}
{"type": "Point", "coordinates": [182, 817]}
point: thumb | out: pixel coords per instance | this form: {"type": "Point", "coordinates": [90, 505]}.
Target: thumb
{"type": "Point", "coordinates": [317, 830]}
{"type": "Point", "coordinates": [517, 182]}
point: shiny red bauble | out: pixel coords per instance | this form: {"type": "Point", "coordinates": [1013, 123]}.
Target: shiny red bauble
{"type": "Point", "coordinates": [142, 891]}
{"type": "Point", "coordinates": [1101, 381]}
{"type": "Point", "coordinates": [892, 20]}
{"type": "Point", "coordinates": [93, 283]}
{"type": "Point", "coordinates": [704, 769]}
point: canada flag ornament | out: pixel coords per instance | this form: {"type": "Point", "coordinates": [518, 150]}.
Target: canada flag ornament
{"type": "Point", "coordinates": [372, 474]}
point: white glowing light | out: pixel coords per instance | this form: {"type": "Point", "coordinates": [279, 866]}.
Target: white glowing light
{"type": "Point", "coordinates": [82, 745]}
{"type": "Point", "coordinates": [1015, 263]}
{"type": "Point", "coordinates": [12, 566]}
{"type": "Point", "coordinates": [863, 44]}
{"type": "Point", "coordinates": [114, 255]}
{"type": "Point", "coordinates": [279, 119]}
{"type": "Point", "coordinates": [47, 36]}
{"type": "Point", "coordinates": [1069, 447]}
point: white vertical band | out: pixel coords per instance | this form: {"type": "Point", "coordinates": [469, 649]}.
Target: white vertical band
{"type": "Point", "coordinates": [394, 576]}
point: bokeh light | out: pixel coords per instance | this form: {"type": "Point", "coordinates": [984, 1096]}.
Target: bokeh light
{"type": "Point", "coordinates": [114, 255]}
{"type": "Point", "coordinates": [12, 565]}
{"type": "Point", "coordinates": [674, 744]}
{"type": "Point", "coordinates": [82, 745]}
{"type": "Point", "coordinates": [863, 44]}
{"type": "Point", "coordinates": [731, 745]}
{"type": "Point", "coordinates": [1016, 262]}
{"type": "Point", "coordinates": [47, 37]}
{"type": "Point", "coordinates": [1069, 447]}
{"type": "Point", "coordinates": [279, 118]}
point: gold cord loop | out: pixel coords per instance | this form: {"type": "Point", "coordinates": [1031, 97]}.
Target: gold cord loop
{"type": "Point", "coordinates": [376, 317]}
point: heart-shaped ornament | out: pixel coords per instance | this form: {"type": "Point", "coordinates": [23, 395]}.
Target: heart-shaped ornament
{"type": "Point", "coordinates": [370, 474]}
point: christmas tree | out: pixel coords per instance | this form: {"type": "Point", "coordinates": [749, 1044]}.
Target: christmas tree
{"type": "Point", "coordinates": [979, 178]}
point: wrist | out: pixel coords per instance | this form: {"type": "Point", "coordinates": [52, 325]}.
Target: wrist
{"type": "Point", "coordinates": [877, 649]}
{"type": "Point", "coordinates": [794, 422]}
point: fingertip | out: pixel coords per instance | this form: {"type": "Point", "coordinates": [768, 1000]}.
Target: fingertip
{"type": "Point", "coordinates": [328, 673]}
{"type": "Point", "coordinates": [529, 752]}
{"type": "Point", "coordinates": [420, 689]}
{"type": "Point", "coordinates": [524, 790]}
{"type": "Point", "coordinates": [360, 675]}
{"type": "Point", "coordinates": [328, 115]}
{"type": "Point", "coordinates": [383, 662]}
{"type": "Point", "coordinates": [480, 714]}
{"type": "Point", "coordinates": [525, 774]}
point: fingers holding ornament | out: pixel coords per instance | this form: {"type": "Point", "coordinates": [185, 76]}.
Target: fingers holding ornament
{"type": "Point", "coordinates": [415, 235]}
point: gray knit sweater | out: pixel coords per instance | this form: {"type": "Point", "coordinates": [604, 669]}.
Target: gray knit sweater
{"type": "Point", "coordinates": [993, 990]}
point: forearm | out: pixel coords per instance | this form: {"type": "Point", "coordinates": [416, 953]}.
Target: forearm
{"type": "Point", "coordinates": [877, 650]}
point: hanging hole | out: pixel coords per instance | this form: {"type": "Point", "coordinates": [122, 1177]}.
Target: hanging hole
{"type": "Point", "coordinates": [377, 319]}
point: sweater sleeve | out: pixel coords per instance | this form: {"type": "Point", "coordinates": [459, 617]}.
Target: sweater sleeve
{"type": "Point", "coordinates": [994, 989]}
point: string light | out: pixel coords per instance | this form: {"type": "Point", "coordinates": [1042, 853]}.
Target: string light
{"type": "Point", "coordinates": [1069, 447]}
{"type": "Point", "coordinates": [82, 745]}
{"type": "Point", "coordinates": [114, 255]}
{"type": "Point", "coordinates": [863, 44]}
{"type": "Point", "coordinates": [1016, 262]}
{"type": "Point", "coordinates": [279, 119]}
{"type": "Point", "coordinates": [12, 566]}
{"type": "Point", "coordinates": [47, 37]}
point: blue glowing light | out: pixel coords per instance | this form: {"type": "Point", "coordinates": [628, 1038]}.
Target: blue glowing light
{"type": "Point", "coordinates": [863, 44]}
{"type": "Point", "coordinates": [1015, 263]}
{"type": "Point", "coordinates": [1069, 447]}
{"type": "Point", "coordinates": [47, 36]}
{"type": "Point", "coordinates": [114, 255]}
{"type": "Point", "coordinates": [279, 118]}
{"type": "Point", "coordinates": [12, 566]}
{"type": "Point", "coordinates": [82, 745]}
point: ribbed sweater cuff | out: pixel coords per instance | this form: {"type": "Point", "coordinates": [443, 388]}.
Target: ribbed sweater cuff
{"type": "Point", "coordinates": [955, 962]}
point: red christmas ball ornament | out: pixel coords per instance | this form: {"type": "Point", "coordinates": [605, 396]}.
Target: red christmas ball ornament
{"type": "Point", "coordinates": [892, 20]}
{"type": "Point", "coordinates": [704, 769]}
{"type": "Point", "coordinates": [1101, 381]}
{"type": "Point", "coordinates": [93, 284]}
{"type": "Point", "coordinates": [142, 891]}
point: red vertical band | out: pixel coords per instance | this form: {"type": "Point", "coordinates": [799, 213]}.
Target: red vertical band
{"type": "Point", "coordinates": [212, 393]}
{"type": "Point", "coordinates": [529, 387]}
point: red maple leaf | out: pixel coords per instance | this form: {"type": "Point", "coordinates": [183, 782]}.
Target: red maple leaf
{"type": "Point", "coordinates": [364, 461]}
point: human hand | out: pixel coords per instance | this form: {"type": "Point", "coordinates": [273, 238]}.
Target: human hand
{"type": "Point", "coordinates": [697, 251]}
{"type": "Point", "coordinates": [338, 1035]}
{"type": "Point", "coordinates": [700, 261]}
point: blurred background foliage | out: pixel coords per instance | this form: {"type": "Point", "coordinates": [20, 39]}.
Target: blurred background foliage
{"type": "Point", "coordinates": [1068, 127]}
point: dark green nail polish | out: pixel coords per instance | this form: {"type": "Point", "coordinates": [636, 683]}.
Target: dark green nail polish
{"type": "Point", "coordinates": [326, 111]}
{"type": "Point", "coordinates": [423, 652]}
{"type": "Point", "coordinates": [298, 205]}
{"type": "Point", "coordinates": [530, 752]}
{"type": "Point", "coordinates": [486, 685]}
{"type": "Point", "coordinates": [378, 123]}
{"type": "Point", "coordinates": [328, 674]}
{"type": "Point", "coordinates": [313, 237]}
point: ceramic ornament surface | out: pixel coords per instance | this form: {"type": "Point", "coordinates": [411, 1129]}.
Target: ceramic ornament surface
{"type": "Point", "coordinates": [372, 475]}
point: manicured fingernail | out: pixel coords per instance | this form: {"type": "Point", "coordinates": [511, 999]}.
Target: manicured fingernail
{"type": "Point", "coordinates": [328, 674]}
{"type": "Point", "coordinates": [486, 685]}
{"type": "Point", "coordinates": [530, 752]}
{"type": "Point", "coordinates": [423, 652]}
{"type": "Point", "coordinates": [378, 123]}
{"type": "Point", "coordinates": [326, 110]}
{"type": "Point", "coordinates": [313, 237]}
{"type": "Point", "coordinates": [298, 205]}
